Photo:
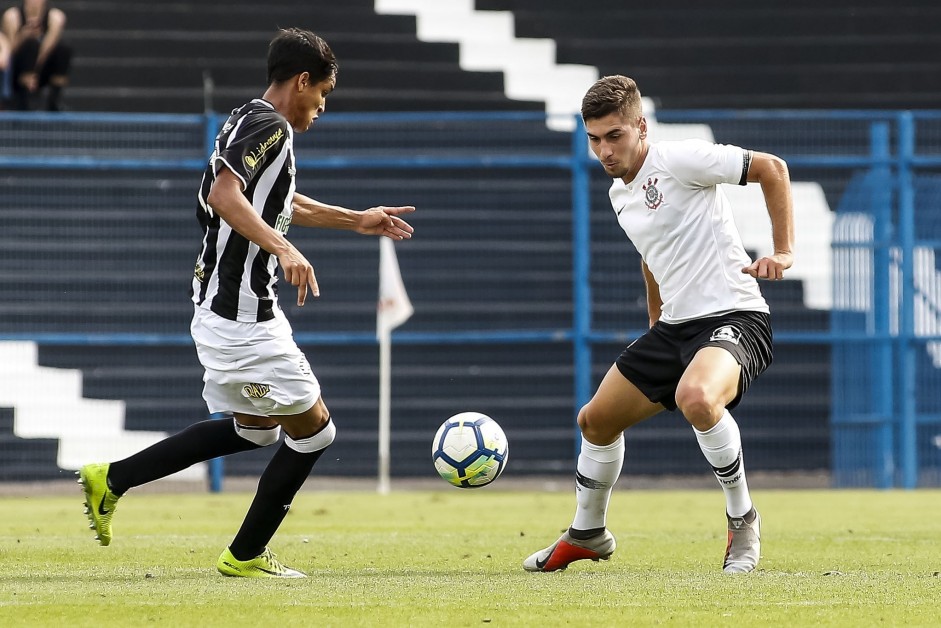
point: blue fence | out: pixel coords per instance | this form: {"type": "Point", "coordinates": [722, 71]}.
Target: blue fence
{"type": "Point", "coordinates": [530, 271]}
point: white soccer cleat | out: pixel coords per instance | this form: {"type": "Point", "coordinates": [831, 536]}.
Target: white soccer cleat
{"type": "Point", "coordinates": [744, 547]}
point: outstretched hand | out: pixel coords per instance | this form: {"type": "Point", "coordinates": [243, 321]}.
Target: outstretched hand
{"type": "Point", "coordinates": [385, 221]}
{"type": "Point", "coordinates": [772, 267]}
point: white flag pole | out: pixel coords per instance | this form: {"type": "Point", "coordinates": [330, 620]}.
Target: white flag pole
{"type": "Point", "coordinates": [385, 408]}
{"type": "Point", "coordinates": [394, 308]}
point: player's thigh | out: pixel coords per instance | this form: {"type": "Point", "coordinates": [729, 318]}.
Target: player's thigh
{"type": "Point", "coordinates": [712, 378]}
{"type": "Point", "coordinates": [617, 405]}
{"type": "Point", "coordinates": [300, 425]}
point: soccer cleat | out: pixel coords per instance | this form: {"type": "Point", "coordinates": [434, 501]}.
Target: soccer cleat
{"type": "Point", "coordinates": [100, 502]}
{"type": "Point", "coordinates": [265, 565]}
{"type": "Point", "coordinates": [744, 547]}
{"type": "Point", "coordinates": [567, 550]}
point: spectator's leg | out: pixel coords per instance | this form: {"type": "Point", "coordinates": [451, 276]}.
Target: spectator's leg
{"type": "Point", "coordinates": [24, 63]}
{"type": "Point", "coordinates": [55, 74]}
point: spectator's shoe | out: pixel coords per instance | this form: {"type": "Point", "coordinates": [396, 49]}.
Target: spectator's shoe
{"type": "Point", "coordinates": [744, 548]}
{"type": "Point", "coordinates": [265, 565]}
{"type": "Point", "coordinates": [567, 550]}
{"type": "Point", "coordinates": [100, 502]}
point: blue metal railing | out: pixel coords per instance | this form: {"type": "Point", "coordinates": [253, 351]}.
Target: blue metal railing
{"type": "Point", "coordinates": [894, 413]}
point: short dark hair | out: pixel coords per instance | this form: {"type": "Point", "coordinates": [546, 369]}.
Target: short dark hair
{"type": "Point", "coordinates": [294, 50]}
{"type": "Point", "coordinates": [611, 94]}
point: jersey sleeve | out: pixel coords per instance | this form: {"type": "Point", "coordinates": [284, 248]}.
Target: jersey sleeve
{"type": "Point", "coordinates": [698, 163]}
{"type": "Point", "coordinates": [251, 145]}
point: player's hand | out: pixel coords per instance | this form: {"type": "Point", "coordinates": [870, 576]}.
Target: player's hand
{"type": "Point", "coordinates": [772, 267]}
{"type": "Point", "coordinates": [300, 273]}
{"type": "Point", "coordinates": [385, 221]}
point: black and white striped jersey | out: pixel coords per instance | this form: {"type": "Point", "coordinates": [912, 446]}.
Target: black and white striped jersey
{"type": "Point", "coordinates": [234, 277]}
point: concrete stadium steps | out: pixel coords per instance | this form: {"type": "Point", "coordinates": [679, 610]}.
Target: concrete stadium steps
{"type": "Point", "coordinates": [152, 56]}
{"type": "Point", "coordinates": [737, 54]}
{"type": "Point", "coordinates": [142, 73]}
{"type": "Point", "coordinates": [233, 15]}
{"type": "Point", "coordinates": [162, 387]}
{"type": "Point", "coordinates": [26, 460]}
{"type": "Point", "coordinates": [723, 20]}
{"type": "Point", "coordinates": [131, 251]}
{"type": "Point", "coordinates": [82, 429]}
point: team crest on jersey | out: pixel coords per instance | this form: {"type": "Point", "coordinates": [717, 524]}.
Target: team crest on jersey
{"type": "Point", "coordinates": [727, 333]}
{"type": "Point", "coordinates": [652, 196]}
{"type": "Point", "coordinates": [256, 391]}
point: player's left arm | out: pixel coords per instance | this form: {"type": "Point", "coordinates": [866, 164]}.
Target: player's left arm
{"type": "Point", "coordinates": [771, 172]}
{"type": "Point", "coordinates": [380, 221]}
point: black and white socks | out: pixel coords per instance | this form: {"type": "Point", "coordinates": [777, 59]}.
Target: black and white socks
{"type": "Point", "coordinates": [722, 447]}
{"type": "Point", "coordinates": [598, 468]}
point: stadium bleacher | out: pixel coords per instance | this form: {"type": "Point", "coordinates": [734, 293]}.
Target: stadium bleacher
{"type": "Point", "coordinates": [734, 54]}
{"type": "Point", "coordinates": [155, 57]}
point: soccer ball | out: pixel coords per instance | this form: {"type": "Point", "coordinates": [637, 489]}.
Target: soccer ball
{"type": "Point", "coordinates": [470, 450]}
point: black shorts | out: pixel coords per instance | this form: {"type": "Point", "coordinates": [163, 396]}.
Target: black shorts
{"type": "Point", "coordinates": [655, 362]}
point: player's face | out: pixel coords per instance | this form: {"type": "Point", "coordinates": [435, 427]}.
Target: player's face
{"type": "Point", "coordinates": [618, 143]}
{"type": "Point", "coordinates": [311, 101]}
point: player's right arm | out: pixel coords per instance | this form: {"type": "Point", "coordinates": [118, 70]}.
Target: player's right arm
{"type": "Point", "coordinates": [654, 301]}
{"type": "Point", "coordinates": [226, 199]}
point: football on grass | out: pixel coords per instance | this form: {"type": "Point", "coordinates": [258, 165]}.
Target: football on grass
{"type": "Point", "coordinates": [470, 450]}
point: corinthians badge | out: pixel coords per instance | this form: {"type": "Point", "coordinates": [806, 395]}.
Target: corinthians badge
{"type": "Point", "coordinates": [652, 196]}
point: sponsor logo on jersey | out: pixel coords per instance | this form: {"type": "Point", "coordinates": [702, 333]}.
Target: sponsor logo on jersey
{"type": "Point", "coordinates": [653, 197]}
{"type": "Point", "coordinates": [727, 333]}
{"type": "Point", "coordinates": [283, 223]}
{"type": "Point", "coordinates": [256, 391]}
{"type": "Point", "coordinates": [253, 158]}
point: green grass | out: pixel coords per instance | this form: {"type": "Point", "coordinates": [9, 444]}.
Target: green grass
{"type": "Point", "coordinates": [452, 558]}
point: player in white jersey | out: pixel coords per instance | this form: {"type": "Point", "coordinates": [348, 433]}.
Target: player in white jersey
{"type": "Point", "coordinates": [254, 370]}
{"type": "Point", "coordinates": [710, 332]}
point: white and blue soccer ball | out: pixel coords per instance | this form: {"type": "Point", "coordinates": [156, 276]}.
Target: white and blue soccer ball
{"type": "Point", "coordinates": [470, 450]}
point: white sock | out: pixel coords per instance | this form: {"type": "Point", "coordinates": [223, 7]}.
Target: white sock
{"type": "Point", "coordinates": [597, 470]}
{"type": "Point", "coordinates": [722, 446]}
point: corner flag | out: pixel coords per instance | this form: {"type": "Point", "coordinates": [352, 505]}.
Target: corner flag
{"type": "Point", "coordinates": [394, 307]}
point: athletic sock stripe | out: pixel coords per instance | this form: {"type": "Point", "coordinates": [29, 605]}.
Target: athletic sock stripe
{"type": "Point", "coordinates": [730, 470]}
{"type": "Point", "coordinates": [590, 483]}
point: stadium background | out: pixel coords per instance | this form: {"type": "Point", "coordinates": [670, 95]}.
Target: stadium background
{"type": "Point", "coordinates": [97, 233]}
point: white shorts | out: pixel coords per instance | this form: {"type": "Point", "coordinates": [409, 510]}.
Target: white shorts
{"type": "Point", "coordinates": [252, 368]}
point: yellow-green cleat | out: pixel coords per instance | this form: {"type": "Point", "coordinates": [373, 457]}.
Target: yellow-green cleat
{"type": "Point", "coordinates": [265, 565]}
{"type": "Point", "coordinates": [100, 502]}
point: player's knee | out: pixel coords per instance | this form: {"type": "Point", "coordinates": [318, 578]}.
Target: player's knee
{"type": "Point", "coordinates": [594, 428]}
{"type": "Point", "coordinates": [261, 436]}
{"type": "Point", "coordinates": [701, 409]}
{"type": "Point", "coordinates": [320, 440]}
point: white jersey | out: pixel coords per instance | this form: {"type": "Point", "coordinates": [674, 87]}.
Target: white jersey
{"type": "Point", "coordinates": [681, 224]}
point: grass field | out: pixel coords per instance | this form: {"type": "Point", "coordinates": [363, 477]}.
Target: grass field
{"type": "Point", "coordinates": [452, 558]}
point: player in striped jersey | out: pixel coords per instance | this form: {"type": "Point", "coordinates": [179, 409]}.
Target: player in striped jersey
{"type": "Point", "coordinates": [710, 329]}
{"type": "Point", "coordinates": [253, 368]}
